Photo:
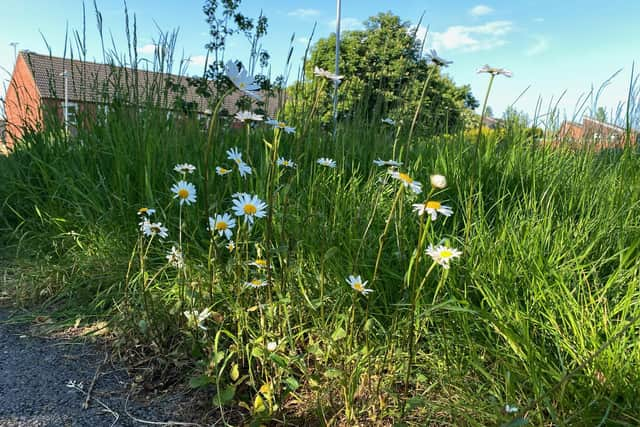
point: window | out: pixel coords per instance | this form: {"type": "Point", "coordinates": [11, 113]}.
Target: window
{"type": "Point", "coordinates": [71, 112]}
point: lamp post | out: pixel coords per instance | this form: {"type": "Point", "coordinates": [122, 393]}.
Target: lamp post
{"type": "Point", "coordinates": [336, 82]}
{"type": "Point", "coordinates": [15, 50]}
{"type": "Point", "coordinates": [65, 108]}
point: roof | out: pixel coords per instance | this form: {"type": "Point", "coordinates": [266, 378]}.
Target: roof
{"type": "Point", "coordinates": [100, 83]}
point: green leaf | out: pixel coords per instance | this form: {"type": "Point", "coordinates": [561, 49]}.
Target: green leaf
{"type": "Point", "coordinates": [200, 381]}
{"type": "Point", "coordinates": [518, 422]}
{"type": "Point", "coordinates": [278, 360]}
{"type": "Point", "coordinates": [333, 373]}
{"type": "Point", "coordinates": [338, 334]}
{"type": "Point", "coordinates": [225, 396]}
{"type": "Point", "coordinates": [291, 383]}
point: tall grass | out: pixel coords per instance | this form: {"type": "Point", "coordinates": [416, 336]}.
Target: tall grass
{"type": "Point", "coordinates": [540, 312]}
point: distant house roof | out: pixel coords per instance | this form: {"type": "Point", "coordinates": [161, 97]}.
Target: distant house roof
{"type": "Point", "coordinates": [100, 83]}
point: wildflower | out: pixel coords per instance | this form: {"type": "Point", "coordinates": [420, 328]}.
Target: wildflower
{"type": "Point", "coordinates": [438, 181]}
{"type": "Point", "coordinates": [256, 283]}
{"type": "Point", "coordinates": [415, 186]}
{"type": "Point", "coordinates": [389, 121]}
{"type": "Point", "coordinates": [442, 254]}
{"type": "Point", "coordinates": [195, 317]}
{"type": "Point", "coordinates": [234, 154]}
{"type": "Point", "coordinates": [280, 125]}
{"type": "Point", "coordinates": [432, 207]}
{"type": "Point", "coordinates": [146, 212]}
{"type": "Point", "coordinates": [231, 246]}
{"type": "Point", "coordinates": [494, 71]}
{"type": "Point", "coordinates": [184, 168]}
{"type": "Point", "coordinates": [244, 169]}
{"type": "Point", "coordinates": [222, 171]}
{"type": "Point", "coordinates": [326, 74]}
{"type": "Point", "coordinates": [286, 163]}
{"type": "Point", "coordinates": [249, 207]}
{"type": "Point", "coordinates": [510, 409]}
{"type": "Point", "coordinates": [325, 161]}
{"type": "Point", "coordinates": [243, 116]}
{"type": "Point", "coordinates": [151, 229]}
{"type": "Point", "coordinates": [185, 191]}
{"type": "Point", "coordinates": [358, 285]}
{"type": "Point", "coordinates": [75, 384]}
{"type": "Point", "coordinates": [433, 56]}
{"type": "Point", "coordinates": [272, 346]}
{"type": "Point", "coordinates": [175, 258]}
{"type": "Point", "coordinates": [259, 263]}
{"type": "Point", "coordinates": [222, 224]}
{"type": "Point", "coordinates": [392, 163]}
{"type": "Point", "coordinates": [241, 80]}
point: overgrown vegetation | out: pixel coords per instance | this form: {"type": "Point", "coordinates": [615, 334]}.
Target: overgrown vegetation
{"type": "Point", "coordinates": [536, 321]}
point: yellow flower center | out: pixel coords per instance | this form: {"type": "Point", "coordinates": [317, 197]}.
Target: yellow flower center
{"type": "Point", "coordinates": [281, 125]}
{"type": "Point", "coordinates": [260, 262]}
{"type": "Point", "coordinates": [446, 253]}
{"type": "Point", "coordinates": [432, 204]}
{"type": "Point", "coordinates": [223, 170]}
{"type": "Point", "coordinates": [231, 246]}
{"type": "Point", "coordinates": [221, 225]}
{"type": "Point", "coordinates": [250, 209]}
{"type": "Point", "coordinates": [155, 229]}
{"type": "Point", "coordinates": [242, 85]}
{"type": "Point", "coordinates": [358, 287]}
{"type": "Point", "coordinates": [143, 210]}
{"type": "Point", "coordinates": [256, 282]}
{"type": "Point", "coordinates": [183, 193]}
{"type": "Point", "coordinates": [405, 178]}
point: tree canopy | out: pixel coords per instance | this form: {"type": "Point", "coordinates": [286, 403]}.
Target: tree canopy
{"type": "Point", "coordinates": [384, 71]}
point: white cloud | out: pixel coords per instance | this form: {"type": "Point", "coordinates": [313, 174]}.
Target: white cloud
{"type": "Point", "coordinates": [304, 13]}
{"type": "Point", "coordinates": [148, 49]}
{"type": "Point", "coordinates": [197, 60]}
{"type": "Point", "coordinates": [473, 38]}
{"type": "Point", "coordinates": [539, 45]}
{"type": "Point", "coordinates": [347, 24]}
{"type": "Point", "coordinates": [303, 40]}
{"type": "Point", "coordinates": [480, 10]}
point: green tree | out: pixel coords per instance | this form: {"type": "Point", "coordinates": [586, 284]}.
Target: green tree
{"type": "Point", "coordinates": [384, 72]}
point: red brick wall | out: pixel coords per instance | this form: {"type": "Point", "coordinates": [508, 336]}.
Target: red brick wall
{"type": "Point", "coordinates": [22, 102]}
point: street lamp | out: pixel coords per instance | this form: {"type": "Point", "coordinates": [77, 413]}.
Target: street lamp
{"type": "Point", "coordinates": [15, 51]}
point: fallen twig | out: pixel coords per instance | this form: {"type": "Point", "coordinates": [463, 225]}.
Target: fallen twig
{"type": "Point", "coordinates": [85, 405]}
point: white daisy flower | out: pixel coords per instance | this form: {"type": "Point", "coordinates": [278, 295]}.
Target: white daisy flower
{"type": "Point", "coordinates": [151, 229]}
{"type": "Point", "coordinates": [244, 169]}
{"type": "Point", "coordinates": [185, 191]}
{"type": "Point", "coordinates": [510, 409]}
{"type": "Point", "coordinates": [358, 285]}
{"type": "Point", "coordinates": [494, 71]}
{"type": "Point", "coordinates": [327, 74]}
{"type": "Point", "coordinates": [438, 181]}
{"type": "Point", "coordinates": [407, 181]}
{"type": "Point", "coordinates": [231, 245]}
{"type": "Point", "coordinates": [325, 161]}
{"type": "Point", "coordinates": [243, 116]}
{"type": "Point", "coordinates": [286, 163]}
{"type": "Point", "coordinates": [250, 207]}
{"type": "Point", "coordinates": [392, 163]}
{"type": "Point", "coordinates": [433, 56]}
{"type": "Point", "coordinates": [184, 168]}
{"type": "Point", "coordinates": [234, 154]}
{"type": "Point", "coordinates": [146, 212]}
{"type": "Point", "coordinates": [240, 78]}
{"type": "Point", "coordinates": [197, 318]}
{"type": "Point", "coordinates": [433, 208]}
{"type": "Point", "coordinates": [442, 254]}
{"type": "Point", "coordinates": [222, 224]}
{"type": "Point", "coordinates": [259, 263]}
{"type": "Point", "coordinates": [222, 171]}
{"type": "Point", "coordinates": [272, 346]}
{"type": "Point", "coordinates": [389, 121]}
{"type": "Point", "coordinates": [175, 258]}
{"type": "Point", "coordinates": [280, 125]}
{"type": "Point", "coordinates": [256, 283]}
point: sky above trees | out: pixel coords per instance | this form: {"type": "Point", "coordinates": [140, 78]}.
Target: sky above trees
{"type": "Point", "coordinates": [551, 46]}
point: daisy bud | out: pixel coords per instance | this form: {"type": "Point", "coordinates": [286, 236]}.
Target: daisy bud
{"type": "Point", "coordinates": [438, 181]}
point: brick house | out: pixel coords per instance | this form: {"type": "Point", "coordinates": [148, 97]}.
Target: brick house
{"type": "Point", "coordinates": [37, 92]}
{"type": "Point", "coordinates": [594, 134]}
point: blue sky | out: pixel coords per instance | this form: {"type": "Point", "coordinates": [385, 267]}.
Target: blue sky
{"type": "Point", "coordinates": [550, 45]}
